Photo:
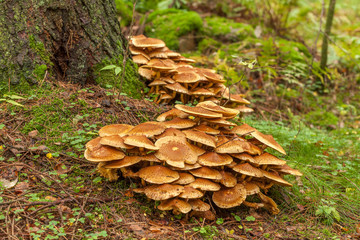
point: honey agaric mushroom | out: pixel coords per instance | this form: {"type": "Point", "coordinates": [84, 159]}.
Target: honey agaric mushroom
{"type": "Point", "coordinates": [180, 123]}
{"type": "Point", "coordinates": [171, 114]}
{"type": "Point", "coordinates": [163, 192]}
{"type": "Point", "coordinates": [206, 129]}
{"type": "Point", "coordinates": [146, 73]}
{"type": "Point", "coordinates": [125, 162]}
{"type": "Point", "coordinates": [115, 141]}
{"type": "Point", "coordinates": [198, 205]}
{"type": "Point", "coordinates": [212, 159]}
{"type": "Point", "coordinates": [115, 129]}
{"type": "Point", "coordinates": [242, 130]}
{"type": "Point", "coordinates": [251, 188]}
{"type": "Point", "coordinates": [104, 154]}
{"type": "Point", "coordinates": [200, 137]}
{"type": "Point", "coordinates": [171, 132]}
{"type": "Point", "coordinates": [247, 170]}
{"type": "Point", "coordinates": [93, 144]}
{"type": "Point", "coordinates": [158, 174]}
{"type": "Point", "coordinates": [268, 140]}
{"type": "Point", "coordinates": [230, 197]}
{"type": "Point", "coordinates": [140, 141]}
{"type": "Point", "coordinates": [140, 59]}
{"type": "Point", "coordinates": [177, 88]}
{"type": "Point", "coordinates": [204, 185]}
{"type": "Point", "coordinates": [184, 178]}
{"type": "Point", "coordinates": [268, 159]}
{"type": "Point", "coordinates": [276, 178]}
{"type": "Point", "coordinates": [175, 204]}
{"type": "Point", "coordinates": [206, 172]}
{"type": "Point", "coordinates": [191, 193]}
{"type": "Point", "coordinates": [269, 204]}
{"type": "Point", "coordinates": [156, 85]}
{"type": "Point", "coordinates": [244, 157]}
{"type": "Point", "coordinates": [286, 169]}
{"type": "Point", "coordinates": [175, 152]}
{"type": "Point", "coordinates": [228, 179]}
{"type": "Point", "coordinates": [198, 111]}
{"type": "Point", "coordinates": [233, 146]}
{"type": "Point", "coordinates": [147, 42]}
{"type": "Point", "coordinates": [110, 174]}
{"type": "Point", "coordinates": [147, 129]}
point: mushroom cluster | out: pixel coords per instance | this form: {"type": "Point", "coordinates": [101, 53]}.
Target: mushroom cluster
{"type": "Point", "coordinates": [171, 77]}
{"type": "Point", "coordinates": [190, 153]}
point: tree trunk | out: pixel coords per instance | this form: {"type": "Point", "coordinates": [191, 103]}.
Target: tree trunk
{"type": "Point", "coordinates": [64, 40]}
{"type": "Point", "coordinates": [329, 19]}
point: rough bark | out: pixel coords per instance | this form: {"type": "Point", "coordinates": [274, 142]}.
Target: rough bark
{"type": "Point", "coordinates": [64, 39]}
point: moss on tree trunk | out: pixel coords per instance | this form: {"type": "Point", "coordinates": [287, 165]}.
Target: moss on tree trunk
{"type": "Point", "coordinates": [62, 40]}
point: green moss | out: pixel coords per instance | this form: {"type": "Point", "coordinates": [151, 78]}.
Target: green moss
{"type": "Point", "coordinates": [132, 85]}
{"type": "Point", "coordinates": [224, 28]}
{"type": "Point", "coordinates": [124, 11]}
{"type": "Point", "coordinates": [321, 118]}
{"type": "Point", "coordinates": [39, 49]}
{"type": "Point", "coordinates": [208, 44]}
{"type": "Point", "coordinates": [170, 24]}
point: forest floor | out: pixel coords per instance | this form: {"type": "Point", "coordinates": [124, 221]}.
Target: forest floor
{"type": "Point", "coordinates": [49, 191]}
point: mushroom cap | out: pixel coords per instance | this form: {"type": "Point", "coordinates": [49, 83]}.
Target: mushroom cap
{"type": "Point", "coordinates": [228, 179]}
{"type": "Point", "coordinates": [186, 77]}
{"type": "Point", "coordinates": [136, 51]}
{"type": "Point", "coordinates": [164, 191]}
{"type": "Point", "coordinates": [206, 129]}
{"type": "Point", "coordinates": [147, 129]}
{"type": "Point", "coordinates": [176, 87]}
{"type": "Point", "coordinates": [200, 137]}
{"type": "Point", "coordinates": [251, 188]}
{"type": "Point", "coordinates": [233, 146]}
{"type": "Point", "coordinates": [103, 154]}
{"type": "Point", "coordinates": [206, 172]}
{"type": "Point", "coordinates": [172, 132]}
{"type": "Point", "coordinates": [140, 141]}
{"type": "Point", "coordinates": [244, 129]}
{"type": "Point", "coordinates": [220, 122]}
{"type": "Point", "coordinates": [125, 162]}
{"type": "Point", "coordinates": [198, 111]}
{"type": "Point", "coordinates": [268, 140]}
{"type": "Point", "coordinates": [115, 141]}
{"type": "Point", "coordinates": [115, 129]}
{"type": "Point", "coordinates": [213, 77]}
{"type": "Point", "coordinates": [187, 167]}
{"type": "Point", "coordinates": [171, 114]}
{"type": "Point", "coordinates": [268, 159]}
{"type": "Point", "coordinates": [238, 99]}
{"type": "Point", "coordinates": [147, 42]}
{"type": "Point", "coordinates": [211, 106]}
{"type": "Point", "coordinates": [247, 169]}
{"type": "Point", "coordinates": [157, 83]}
{"type": "Point", "coordinates": [93, 144]}
{"type": "Point", "coordinates": [286, 169]}
{"type": "Point", "coordinates": [175, 204]}
{"type": "Point", "coordinates": [146, 73]}
{"type": "Point", "coordinates": [244, 109]}
{"type": "Point", "coordinates": [158, 174]}
{"type": "Point", "coordinates": [230, 197]}
{"type": "Point", "coordinates": [149, 158]}
{"type": "Point", "coordinates": [191, 193]}
{"type": "Point", "coordinates": [140, 59]}
{"type": "Point", "coordinates": [167, 79]}
{"type": "Point", "coordinates": [158, 53]}
{"type": "Point", "coordinates": [198, 150]}
{"type": "Point", "coordinates": [204, 185]}
{"type": "Point", "coordinates": [160, 64]}
{"type": "Point", "coordinates": [276, 178]}
{"type": "Point", "coordinates": [183, 59]}
{"type": "Point", "coordinates": [184, 179]}
{"type": "Point", "coordinates": [175, 151]}
{"type": "Point", "coordinates": [201, 92]}
{"type": "Point", "coordinates": [213, 159]}
{"type": "Point", "coordinates": [198, 205]}
{"type": "Point", "coordinates": [180, 123]}
{"type": "Point", "coordinates": [244, 157]}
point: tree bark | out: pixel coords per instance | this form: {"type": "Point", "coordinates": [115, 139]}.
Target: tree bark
{"type": "Point", "coordinates": [62, 39]}
{"type": "Point", "coordinates": [329, 19]}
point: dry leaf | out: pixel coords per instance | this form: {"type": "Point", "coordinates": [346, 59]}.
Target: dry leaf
{"type": "Point", "coordinates": [51, 198]}
{"type": "Point", "coordinates": [33, 133]}
{"type": "Point", "coordinates": [8, 184]}
{"type": "Point", "coordinates": [21, 187]}
{"type": "Point", "coordinates": [61, 168]}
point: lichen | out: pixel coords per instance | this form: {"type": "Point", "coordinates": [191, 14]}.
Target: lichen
{"type": "Point", "coordinates": [170, 24]}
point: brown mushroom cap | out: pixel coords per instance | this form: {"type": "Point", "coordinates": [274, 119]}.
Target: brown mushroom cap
{"type": "Point", "coordinates": [187, 167]}
{"type": "Point", "coordinates": [147, 129]}
{"type": "Point", "coordinates": [198, 205]}
{"type": "Point", "coordinates": [198, 150]}
{"type": "Point", "coordinates": [171, 114]}
{"type": "Point", "coordinates": [201, 92]}
{"type": "Point", "coordinates": [103, 154]}
{"type": "Point", "coordinates": [213, 159]}
{"type": "Point", "coordinates": [185, 178]}
{"type": "Point", "coordinates": [230, 197]}
{"type": "Point", "coordinates": [186, 77]}
{"type": "Point", "coordinates": [140, 59]}
{"type": "Point", "coordinates": [204, 185]}
{"type": "Point", "coordinates": [244, 157]}
{"type": "Point", "coordinates": [198, 111]}
{"type": "Point", "coordinates": [233, 146]}
{"type": "Point", "coordinates": [251, 188]}
{"type": "Point", "coordinates": [247, 169]}
{"type": "Point", "coordinates": [268, 140]}
{"type": "Point", "coordinates": [172, 132]}
{"type": "Point", "coordinates": [286, 169]}
{"type": "Point", "coordinates": [244, 129]}
{"type": "Point", "coordinates": [147, 42]}
{"type": "Point", "coordinates": [125, 162]}
{"type": "Point", "coordinates": [238, 99]}
{"type": "Point", "coordinates": [146, 73]}
{"type": "Point", "coordinates": [206, 172]}
{"type": "Point", "coordinates": [158, 174]}
{"type": "Point", "coordinates": [228, 179]}
{"type": "Point", "coordinates": [93, 144]}
{"type": "Point", "coordinates": [160, 64]}
{"type": "Point", "coordinates": [180, 123]}
{"type": "Point", "coordinates": [220, 122]}
{"type": "Point", "coordinates": [244, 109]}
{"type": "Point", "coordinates": [200, 137]}
{"type": "Point", "coordinates": [175, 204]}
{"type": "Point", "coordinates": [191, 193]}
{"type": "Point", "coordinates": [175, 151]}
{"type": "Point", "coordinates": [115, 129]}
{"type": "Point", "coordinates": [206, 129]}
{"type": "Point", "coordinates": [163, 192]}
{"type": "Point", "coordinates": [140, 141]}
{"type": "Point", "coordinates": [115, 141]}
{"type": "Point", "coordinates": [268, 159]}
{"type": "Point", "coordinates": [176, 87]}
{"type": "Point", "coordinates": [276, 178]}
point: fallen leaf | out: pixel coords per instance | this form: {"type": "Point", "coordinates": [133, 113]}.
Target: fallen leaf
{"type": "Point", "coordinates": [21, 187]}
{"type": "Point", "coordinates": [51, 198]}
{"type": "Point", "coordinates": [8, 184]}
{"type": "Point", "coordinates": [61, 168]}
{"type": "Point", "coordinates": [300, 207]}
{"type": "Point", "coordinates": [33, 133]}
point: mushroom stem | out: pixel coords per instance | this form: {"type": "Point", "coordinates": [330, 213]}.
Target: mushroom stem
{"type": "Point", "coordinates": [242, 178]}
{"type": "Point", "coordinates": [182, 98]}
{"type": "Point", "coordinates": [201, 98]}
{"type": "Point", "coordinates": [151, 90]}
{"type": "Point", "coordinates": [143, 183]}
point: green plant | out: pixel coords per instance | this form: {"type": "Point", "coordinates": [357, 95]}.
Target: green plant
{"type": "Point", "coordinates": [207, 232]}
{"type": "Point", "coordinates": [11, 99]}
